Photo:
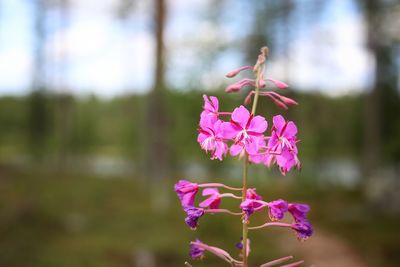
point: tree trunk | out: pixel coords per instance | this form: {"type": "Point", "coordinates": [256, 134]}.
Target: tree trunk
{"type": "Point", "coordinates": [157, 135]}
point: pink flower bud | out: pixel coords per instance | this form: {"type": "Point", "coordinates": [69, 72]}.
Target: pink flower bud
{"type": "Point", "coordinates": [235, 72]}
{"type": "Point", "coordinates": [288, 101]}
{"type": "Point", "coordinates": [279, 84]}
{"type": "Point", "coordinates": [261, 83]}
{"type": "Point", "coordinates": [247, 100]}
{"type": "Point", "coordinates": [233, 88]}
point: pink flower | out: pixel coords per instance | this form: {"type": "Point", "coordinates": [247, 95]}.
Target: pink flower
{"type": "Point", "coordinates": [186, 192]}
{"type": "Point", "coordinates": [210, 108]}
{"type": "Point", "coordinates": [210, 137]}
{"type": "Point", "coordinates": [213, 201]}
{"type": "Point", "coordinates": [282, 145]}
{"type": "Point", "coordinates": [244, 129]}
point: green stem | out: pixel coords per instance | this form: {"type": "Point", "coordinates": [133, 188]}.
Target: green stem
{"type": "Point", "coordinates": [246, 167]}
{"type": "Point", "coordinates": [258, 76]}
{"type": "Point", "coordinates": [244, 224]}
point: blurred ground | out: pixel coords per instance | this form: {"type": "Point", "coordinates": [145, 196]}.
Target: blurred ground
{"type": "Point", "coordinates": [49, 219]}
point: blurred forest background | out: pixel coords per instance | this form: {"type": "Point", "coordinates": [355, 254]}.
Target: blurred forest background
{"type": "Point", "coordinates": [99, 107]}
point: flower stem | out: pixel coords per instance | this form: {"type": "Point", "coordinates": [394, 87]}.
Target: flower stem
{"type": "Point", "coordinates": [220, 185]}
{"type": "Point", "coordinates": [269, 224]}
{"type": "Point", "coordinates": [244, 224]}
{"type": "Point", "coordinates": [257, 91]}
{"type": "Point", "coordinates": [258, 69]}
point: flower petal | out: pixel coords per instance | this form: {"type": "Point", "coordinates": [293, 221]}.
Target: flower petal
{"type": "Point", "coordinates": [241, 115]}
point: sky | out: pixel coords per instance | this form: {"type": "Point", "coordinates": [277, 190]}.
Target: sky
{"type": "Point", "coordinates": [96, 53]}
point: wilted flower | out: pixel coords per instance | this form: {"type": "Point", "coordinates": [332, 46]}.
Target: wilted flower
{"type": "Point", "coordinates": [193, 215]}
{"type": "Point", "coordinates": [186, 192]}
{"type": "Point", "coordinates": [299, 211]}
{"type": "Point", "coordinates": [195, 251]}
{"type": "Point", "coordinates": [304, 230]}
{"type": "Point", "coordinates": [277, 209]}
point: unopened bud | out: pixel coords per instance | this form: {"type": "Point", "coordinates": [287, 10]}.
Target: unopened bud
{"type": "Point", "coordinates": [235, 72]}
{"type": "Point", "coordinates": [279, 84]}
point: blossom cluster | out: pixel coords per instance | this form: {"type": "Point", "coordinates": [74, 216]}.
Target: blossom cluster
{"type": "Point", "coordinates": [243, 134]}
{"type": "Point", "coordinates": [246, 133]}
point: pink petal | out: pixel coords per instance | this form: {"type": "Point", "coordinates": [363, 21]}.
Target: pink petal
{"type": "Point", "coordinates": [206, 202]}
{"type": "Point", "coordinates": [228, 131]}
{"type": "Point", "coordinates": [258, 124]}
{"type": "Point", "coordinates": [241, 115]}
{"type": "Point", "coordinates": [279, 122]}
{"type": "Point", "coordinates": [291, 129]}
{"type": "Point", "coordinates": [215, 103]}
{"type": "Point", "coordinates": [210, 191]}
{"type": "Point", "coordinates": [236, 149]}
{"type": "Point", "coordinates": [221, 149]}
{"type": "Point", "coordinates": [201, 137]}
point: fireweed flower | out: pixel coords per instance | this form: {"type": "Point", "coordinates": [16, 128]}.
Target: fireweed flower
{"type": "Point", "coordinates": [213, 201]}
{"type": "Point", "coordinates": [277, 209]}
{"type": "Point", "coordinates": [186, 192]}
{"type": "Point", "coordinates": [210, 137]}
{"type": "Point", "coordinates": [195, 251]}
{"type": "Point", "coordinates": [282, 145]}
{"type": "Point", "coordinates": [193, 215]}
{"type": "Point", "coordinates": [244, 129]}
{"type": "Point", "coordinates": [245, 134]}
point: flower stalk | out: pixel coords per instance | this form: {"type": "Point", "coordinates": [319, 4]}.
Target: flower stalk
{"type": "Point", "coordinates": [243, 135]}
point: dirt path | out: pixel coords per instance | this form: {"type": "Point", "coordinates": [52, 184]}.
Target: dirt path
{"type": "Point", "coordinates": [323, 249]}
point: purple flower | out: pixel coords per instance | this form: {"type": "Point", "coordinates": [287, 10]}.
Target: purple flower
{"type": "Point", "coordinates": [193, 215]}
{"type": "Point", "coordinates": [213, 201]}
{"type": "Point", "coordinates": [277, 209]}
{"type": "Point", "coordinates": [195, 251]}
{"type": "Point", "coordinates": [244, 129]}
{"type": "Point", "coordinates": [186, 192]}
{"type": "Point", "coordinates": [304, 230]}
{"type": "Point", "coordinates": [210, 137]}
{"type": "Point", "coordinates": [252, 202]}
{"type": "Point", "coordinates": [299, 211]}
